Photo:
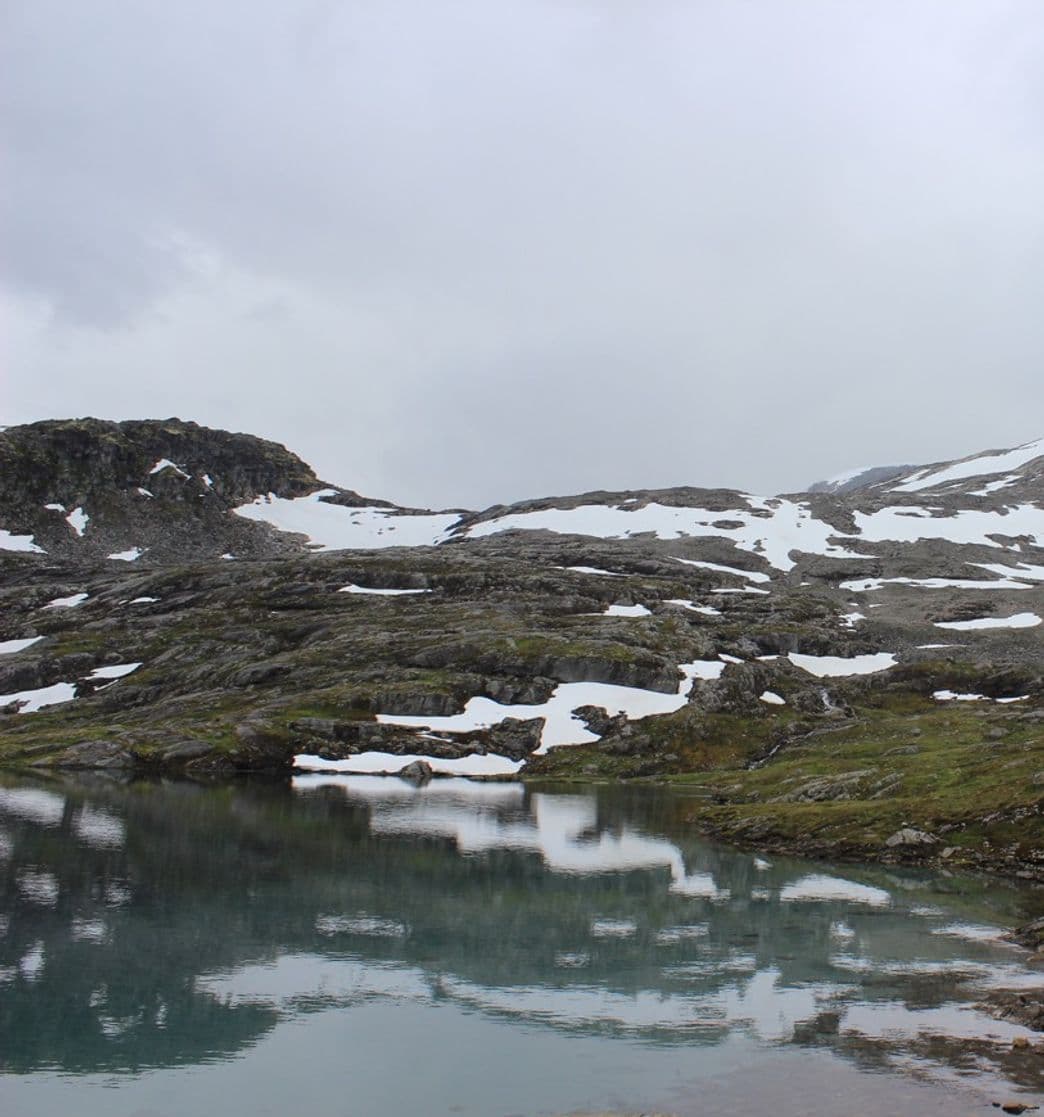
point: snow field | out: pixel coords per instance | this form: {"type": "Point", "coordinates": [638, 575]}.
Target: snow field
{"type": "Point", "coordinates": [789, 526]}
{"type": "Point", "coordinates": [331, 527]}
{"type": "Point", "coordinates": [982, 466]}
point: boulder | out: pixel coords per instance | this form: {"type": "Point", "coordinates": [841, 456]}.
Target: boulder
{"type": "Point", "coordinates": [420, 771]}
{"type": "Point", "coordinates": [95, 754]}
{"type": "Point", "coordinates": [908, 837]}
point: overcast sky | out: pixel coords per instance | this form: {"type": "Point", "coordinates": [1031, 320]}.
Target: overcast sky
{"type": "Point", "coordinates": [460, 253]}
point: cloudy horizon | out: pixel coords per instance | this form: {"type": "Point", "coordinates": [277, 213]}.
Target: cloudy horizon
{"type": "Point", "coordinates": [459, 254]}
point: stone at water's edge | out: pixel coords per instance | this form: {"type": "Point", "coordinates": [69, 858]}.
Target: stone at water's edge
{"type": "Point", "coordinates": [1030, 935]}
{"type": "Point", "coordinates": [420, 771]}
{"type": "Point", "coordinates": [908, 836]}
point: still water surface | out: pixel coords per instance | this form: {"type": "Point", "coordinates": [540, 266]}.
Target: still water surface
{"type": "Point", "coordinates": [359, 946]}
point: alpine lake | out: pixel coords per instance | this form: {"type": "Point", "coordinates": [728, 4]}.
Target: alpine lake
{"type": "Point", "coordinates": [367, 947]}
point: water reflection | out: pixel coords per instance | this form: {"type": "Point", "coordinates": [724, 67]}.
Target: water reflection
{"type": "Point", "coordinates": [162, 925]}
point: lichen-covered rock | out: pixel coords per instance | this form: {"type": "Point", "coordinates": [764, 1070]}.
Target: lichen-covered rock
{"type": "Point", "coordinates": [846, 785]}
{"type": "Point", "coordinates": [94, 754]}
{"type": "Point", "coordinates": [909, 837]}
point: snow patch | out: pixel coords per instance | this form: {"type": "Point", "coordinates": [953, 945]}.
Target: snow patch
{"type": "Point", "coordinates": [561, 727]}
{"type": "Point", "coordinates": [33, 700]}
{"type": "Point", "coordinates": [1024, 571]}
{"type": "Point", "coordinates": [166, 463]}
{"type": "Point", "coordinates": [594, 570]}
{"type": "Point", "coordinates": [9, 647]}
{"type": "Point", "coordinates": [750, 575]}
{"type": "Point", "coordinates": [350, 588]}
{"type": "Point", "coordinates": [869, 585]}
{"type": "Point", "coordinates": [131, 555]}
{"type": "Point", "coordinates": [706, 610]}
{"type": "Point", "coordinates": [1019, 620]}
{"type": "Point", "coordinates": [953, 696]}
{"type": "Point", "coordinates": [78, 521]}
{"type": "Point", "coordinates": [67, 602]}
{"type": "Point", "coordinates": [625, 611]}
{"type": "Point", "coordinates": [9, 542]}
{"type": "Point", "coordinates": [332, 527]}
{"type": "Point", "coordinates": [825, 666]}
{"type": "Point", "coordinates": [993, 486]}
{"type": "Point", "coordinates": [115, 671]}
{"type": "Point", "coordinates": [772, 698]}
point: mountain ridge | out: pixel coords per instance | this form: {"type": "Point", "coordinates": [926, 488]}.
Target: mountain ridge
{"type": "Point", "coordinates": [826, 670]}
{"type": "Point", "coordinates": [224, 493]}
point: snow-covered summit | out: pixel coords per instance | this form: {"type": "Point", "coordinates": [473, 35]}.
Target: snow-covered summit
{"type": "Point", "coordinates": [998, 469]}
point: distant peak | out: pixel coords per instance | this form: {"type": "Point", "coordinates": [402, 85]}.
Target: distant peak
{"type": "Point", "coordinates": [859, 478]}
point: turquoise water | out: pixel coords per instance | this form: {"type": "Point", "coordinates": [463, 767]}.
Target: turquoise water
{"type": "Point", "coordinates": [360, 946]}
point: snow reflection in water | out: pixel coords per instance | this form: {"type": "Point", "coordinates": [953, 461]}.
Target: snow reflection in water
{"type": "Point", "coordinates": [551, 918]}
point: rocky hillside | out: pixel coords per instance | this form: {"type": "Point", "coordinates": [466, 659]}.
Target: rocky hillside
{"type": "Point", "coordinates": [850, 671]}
{"type": "Point", "coordinates": [89, 490]}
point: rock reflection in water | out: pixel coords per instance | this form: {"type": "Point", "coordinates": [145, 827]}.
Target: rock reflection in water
{"type": "Point", "coordinates": [164, 925]}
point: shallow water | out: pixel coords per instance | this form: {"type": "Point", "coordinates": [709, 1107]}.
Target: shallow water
{"type": "Point", "coordinates": [357, 945]}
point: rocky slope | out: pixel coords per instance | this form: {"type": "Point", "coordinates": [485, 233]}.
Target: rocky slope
{"type": "Point", "coordinates": [849, 671]}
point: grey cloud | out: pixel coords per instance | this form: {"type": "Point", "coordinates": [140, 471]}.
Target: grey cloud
{"type": "Point", "coordinates": [465, 252]}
